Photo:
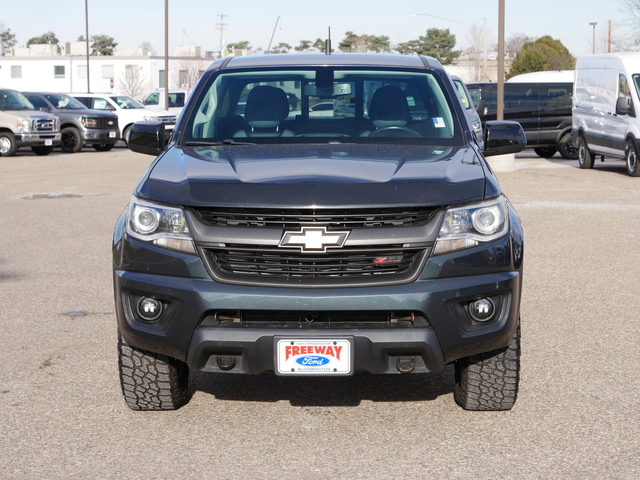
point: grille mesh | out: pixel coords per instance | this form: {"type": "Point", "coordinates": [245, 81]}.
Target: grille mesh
{"type": "Point", "coordinates": [342, 263]}
{"type": "Point", "coordinates": [290, 218]}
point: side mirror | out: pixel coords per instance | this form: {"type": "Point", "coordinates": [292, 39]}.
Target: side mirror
{"type": "Point", "coordinates": [147, 138]}
{"type": "Point", "coordinates": [623, 105]}
{"type": "Point", "coordinates": [481, 108]}
{"type": "Point", "coordinates": [502, 137]}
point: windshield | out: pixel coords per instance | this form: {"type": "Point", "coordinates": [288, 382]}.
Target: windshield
{"type": "Point", "coordinates": [466, 101]}
{"type": "Point", "coordinates": [65, 102]}
{"type": "Point", "coordinates": [324, 105]}
{"type": "Point", "coordinates": [126, 102]}
{"type": "Point", "coordinates": [12, 100]}
{"type": "Point", "coordinates": [636, 82]}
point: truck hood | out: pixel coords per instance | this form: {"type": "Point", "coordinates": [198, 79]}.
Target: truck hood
{"type": "Point", "coordinates": [318, 175]}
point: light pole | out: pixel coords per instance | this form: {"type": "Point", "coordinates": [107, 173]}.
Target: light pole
{"type": "Point", "coordinates": [500, 88]}
{"type": "Point", "coordinates": [86, 22]}
{"type": "Point", "coordinates": [166, 54]}
{"type": "Point", "coordinates": [593, 42]}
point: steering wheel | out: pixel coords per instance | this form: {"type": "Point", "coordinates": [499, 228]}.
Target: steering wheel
{"type": "Point", "coordinates": [395, 131]}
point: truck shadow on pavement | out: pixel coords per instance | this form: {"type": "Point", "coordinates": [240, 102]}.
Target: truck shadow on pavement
{"type": "Point", "coordinates": [325, 392]}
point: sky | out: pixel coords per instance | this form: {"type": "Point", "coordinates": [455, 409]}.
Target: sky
{"type": "Point", "coordinates": [261, 22]}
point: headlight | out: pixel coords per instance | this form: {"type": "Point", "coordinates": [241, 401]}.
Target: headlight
{"type": "Point", "coordinates": [89, 122]}
{"type": "Point", "coordinates": [160, 225]}
{"type": "Point", "coordinates": [469, 226]}
{"type": "Point", "coordinates": [24, 125]}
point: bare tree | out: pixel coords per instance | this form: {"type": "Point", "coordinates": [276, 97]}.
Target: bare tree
{"type": "Point", "coordinates": [131, 82]}
{"type": "Point", "coordinates": [515, 43]}
{"type": "Point", "coordinates": [148, 47]}
{"type": "Point", "coordinates": [189, 71]}
{"type": "Point", "coordinates": [629, 38]}
{"type": "Point", "coordinates": [476, 52]}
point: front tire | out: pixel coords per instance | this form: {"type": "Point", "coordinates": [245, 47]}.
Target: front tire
{"type": "Point", "coordinates": [631, 157]}
{"type": "Point", "coordinates": [42, 150]}
{"type": "Point", "coordinates": [151, 381]}
{"type": "Point", "coordinates": [8, 145]}
{"type": "Point", "coordinates": [126, 135]}
{"type": "Point", "coordinates": [585, 157]}
{"type": "Point", "coordinates": [567, 149]}
{"type": "Point", "coordinates": [489, 381]}
{"type": "Point", "coordinates": [545, 152]}
{"type": "Point", "coordinates": [71, 140]}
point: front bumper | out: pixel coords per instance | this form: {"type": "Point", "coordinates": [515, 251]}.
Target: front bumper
{"type": "Point", "coordinates": [441, 333]}
{"type": "Point", "coordinates": [37, 139]}
{"type": "Point", "coordinates": [101, 136]}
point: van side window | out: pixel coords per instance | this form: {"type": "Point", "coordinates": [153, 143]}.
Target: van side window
{"type": "Point", "coordinates": [521, 97]}
{"type": "Point", "coordinates": [623, 87]}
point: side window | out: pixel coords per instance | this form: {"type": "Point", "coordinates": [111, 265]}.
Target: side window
{"type": "Point", "coordinates": [86, 101]}
{"type": "Point", "coordinates": [623, 87]}
{"type": "Point", "coordinates": [556, 97]}
{"type": "Point", "coordinates": [624, 91]}
{"type": "Point", "coordinates": [99, 104]}
{"type": "Point", "coordinates": [521, 97]}
{"type": "Point", "coordinates": [38, 103]}
{"type": "Point", "coordinates": [152, 99]}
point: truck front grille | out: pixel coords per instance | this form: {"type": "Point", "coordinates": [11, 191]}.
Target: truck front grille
{"type": "Point", "coordinates": [389, 246]}
{"type": "Point", "coordinates": [292, 218]}
{"type": "Point", "coordinates": [44, 125]}
{"type": "Point", "coordinates": [106, 123]}
{"type": "Point", "coordinates": [273, 265]}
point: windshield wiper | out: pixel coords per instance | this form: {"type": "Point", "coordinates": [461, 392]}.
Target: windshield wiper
{"type": "Point", "coordinates": [226, 141]}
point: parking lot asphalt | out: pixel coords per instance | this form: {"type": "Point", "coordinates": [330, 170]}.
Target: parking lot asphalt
{"type": "Point", "coordinates": [62, 415]}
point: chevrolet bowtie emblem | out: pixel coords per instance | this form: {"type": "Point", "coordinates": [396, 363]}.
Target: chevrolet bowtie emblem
{"type": "Point", "coordinates": [313, 239]}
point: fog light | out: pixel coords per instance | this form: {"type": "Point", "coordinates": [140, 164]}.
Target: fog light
{"type": "Point", "coordinates": [149, 309]}
{"type": "Point", "coordinates": [226, 362]}
{"type": "Point", "coordinates": [482, 310]}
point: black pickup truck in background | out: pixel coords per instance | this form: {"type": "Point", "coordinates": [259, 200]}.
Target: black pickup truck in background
{"type": "Point", "coordinates": [543, 110]}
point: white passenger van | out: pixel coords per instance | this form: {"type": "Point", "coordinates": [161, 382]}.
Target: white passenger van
{"type": "Point", "coordinates": [606, 105]}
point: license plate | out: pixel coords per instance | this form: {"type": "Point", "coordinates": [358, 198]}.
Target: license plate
{"type": "Point", "coordinates": [314, 356]}
{"type": "Point", "coordinates": [112, 134]}
{"type": "Point", "coordinates": [48, 142]}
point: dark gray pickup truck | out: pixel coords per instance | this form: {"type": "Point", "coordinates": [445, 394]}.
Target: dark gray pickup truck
{"type": "Point", "coordinates": [78, 124]}
{"type": "Point", "coordinates": [369, 235]}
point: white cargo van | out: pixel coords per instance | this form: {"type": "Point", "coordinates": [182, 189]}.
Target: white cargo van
{"type": "Point", "coordinates": [606, 105]}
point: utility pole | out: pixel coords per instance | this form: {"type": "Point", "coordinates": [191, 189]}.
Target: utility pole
{"type": "Point", "coordinates": [593, 42]}
{"type": "Point", "coordinates": [221, 26]}
{"type": "Point", "coordinates": [500, 112]}
{"type": "Point", "coordinates": [86, 21]}
{"type": "Point", "coordinates": [166, 54]}
{"type": "Point", "coordinates": [609, 37]}
{"type": "Point", "coordinates": [484, 61]}
{"type": "Point", "coordinates": [272, 35]}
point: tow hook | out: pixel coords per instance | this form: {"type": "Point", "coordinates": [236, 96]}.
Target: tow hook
{"type": "Point", "coordinates": [405, 364]}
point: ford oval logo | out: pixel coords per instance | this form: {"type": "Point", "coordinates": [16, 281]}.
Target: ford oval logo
{"type": "Point", "coordinates": [312, 360]}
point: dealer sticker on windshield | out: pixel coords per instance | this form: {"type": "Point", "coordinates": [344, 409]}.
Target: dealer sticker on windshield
{"type": "Point", "coordinates": [313, 357]}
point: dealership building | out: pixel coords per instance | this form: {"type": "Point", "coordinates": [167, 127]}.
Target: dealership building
{"type": "Point", "coordinates": [129, 71]}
